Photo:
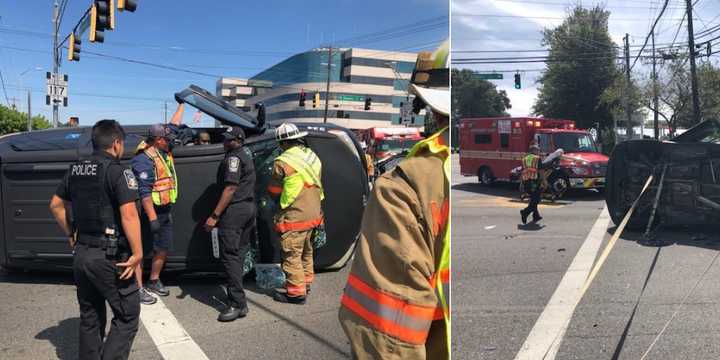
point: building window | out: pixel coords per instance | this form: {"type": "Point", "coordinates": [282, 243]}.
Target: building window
{"type": "Point", "coordinates": [483, 138]}
{"type": "Point", "coordinates": [401, 84]}
{"type": "Point", "coordinates": [371, 80]}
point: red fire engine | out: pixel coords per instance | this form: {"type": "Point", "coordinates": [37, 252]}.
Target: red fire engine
{"type": "Point", "coordinates": [384, 142]}
{"type": "Point", "coordinates": [490, 148]}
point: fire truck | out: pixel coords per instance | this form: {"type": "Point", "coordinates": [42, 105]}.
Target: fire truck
{"type": "Point", "coordinates": [386, 141]}
{"type": "Point", "coordinates": [491, 148]}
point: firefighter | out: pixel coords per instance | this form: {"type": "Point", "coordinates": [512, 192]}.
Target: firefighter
{"type": "Point", "coordinates": [101, 195]}
{"type": "Point", "coordinates": [396, 301]}
{"type": "Point", "coordinates": [154, 168]}
{"type": "Point", "coordinates": [234, 215]}
{"type": "Point", "coordinates": [369, 161]}
{"type": "Point", "coordinates": [297, 181]}
{"type": "Point", "coordinates": [530, 178]}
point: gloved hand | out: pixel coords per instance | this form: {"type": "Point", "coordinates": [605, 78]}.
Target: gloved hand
{"type": "Point", "coordinates": [154, 226]}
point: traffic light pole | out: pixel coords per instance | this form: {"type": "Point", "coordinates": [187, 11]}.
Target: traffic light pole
{"type": "Point", "coordinates": [56, 16]}
{"type": "Point", "coordinates": [693, 72]}
{"type": "Point", "coordinates": [327, 85]}
{"type": "Point", "coordinates": [29, 124]}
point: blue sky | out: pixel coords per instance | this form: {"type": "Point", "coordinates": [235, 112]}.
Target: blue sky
{"type": "Point", "coordinates": [218, 38]}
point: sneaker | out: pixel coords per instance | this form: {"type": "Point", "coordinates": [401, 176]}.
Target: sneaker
{"type": "Point", "coordinates": [157, 287]}
{"type": "Point", "coordinates": [146, 298]}
{"type": "Point", "coordinates": [284, 298]}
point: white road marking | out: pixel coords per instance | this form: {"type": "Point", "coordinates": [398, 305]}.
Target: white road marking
{"type": "Point", "coordinates": [546, 336]}
{"type": "Point", "coordinates": [169, 336]}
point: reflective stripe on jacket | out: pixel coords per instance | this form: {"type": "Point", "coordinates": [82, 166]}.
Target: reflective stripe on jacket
{"type": "Point", "coordinates": [530, 167]}
{"type": "Point", "coordinates": [396, 301]}
{"type": "Point", "coordinates": [164, 190]}
{"type": "Point", "coordinates": [308, 169]}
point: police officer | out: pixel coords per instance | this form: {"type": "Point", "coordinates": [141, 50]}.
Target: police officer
{"type": "Point", "coordinates": [234, 215]}
{"type": "Point", "coordinates": [531, 183]}
{"type": "Point", "coordinates": [106, 229]}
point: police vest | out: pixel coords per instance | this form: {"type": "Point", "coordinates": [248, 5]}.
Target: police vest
{"type": "Point", "coordinates": [92, 208]}
{"type": "Point", "coordinates": [308, 169]}
{"type": "Point", "coordinates": [530, 167]}
{"type": "Point", "coordinates": [441, 277]}
{"type": "Point", "coordinates": [164, 190]}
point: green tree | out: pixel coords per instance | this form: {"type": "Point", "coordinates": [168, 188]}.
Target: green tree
{"type": "Point", "coordinates": [475, 97]}
{"type": "Point", "coordinates": [14, 121]}
{"type": "Point", "coordinates": [580, 69]}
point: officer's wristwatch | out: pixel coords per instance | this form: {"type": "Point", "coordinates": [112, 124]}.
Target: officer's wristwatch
{"type": "Point", "coordinates": [214, 216]}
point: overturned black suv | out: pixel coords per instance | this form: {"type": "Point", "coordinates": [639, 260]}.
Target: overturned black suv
{"type": "Point", "coordinates": [690, 194]}
{"type": "Point", "coordinates": [32, 164]}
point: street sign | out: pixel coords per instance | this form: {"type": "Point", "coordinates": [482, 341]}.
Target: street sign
{"type": "Point", "coordinates": [57, 88]}
{"type": "Point", "coordinates": [493, 76]}
{"type": "Point", "coordinates": [351, 98]}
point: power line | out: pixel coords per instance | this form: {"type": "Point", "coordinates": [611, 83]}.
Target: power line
{"type": "Point", "coordinates": [572, 5]}
{"type": "Point", "coordinates": [539, 17]}
{"type": "Point", "coordinates": [662, 11]}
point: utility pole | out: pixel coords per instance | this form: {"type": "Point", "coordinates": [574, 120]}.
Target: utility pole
{"type": "Point", "coordinates": [56, 58]}
{"type": "Point", "coordinates": [693, 73]}
{"type": "Point", "coordinates": [655, 92]}
{"type": "Point", "coordinates": [628, 125]}
{"type": "Point", "coordinates": [327, 86]}
{"type": "Point", "coordinates": [29, 124]}
{"type": "Point", "coordinates": [165, 112]}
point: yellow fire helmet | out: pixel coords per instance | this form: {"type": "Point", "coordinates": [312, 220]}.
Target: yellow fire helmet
{"type": "Point", "coordinates": [430, 80]}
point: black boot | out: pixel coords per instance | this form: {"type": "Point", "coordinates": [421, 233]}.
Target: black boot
{"type": "Point", "coordinates": [231, 313]}
{"type": "Point", "coordinates": [536, 217]}
{"type": "Point", "coordinates": [284, 298]}
{"type": "Point", "coordinates": [523, 216]}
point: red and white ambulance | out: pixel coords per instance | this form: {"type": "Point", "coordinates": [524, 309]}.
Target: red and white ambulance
{"type": "Point", "coordinates": [490, 148]}
{"type": "Point", "coordinates": [386, 141]}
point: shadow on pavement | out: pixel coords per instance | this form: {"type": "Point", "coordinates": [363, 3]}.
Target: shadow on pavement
{"type": "Point", "coordinates": [510, 191]}
{"type": "Point", "coordinates": [685, 236]}
{"type": "Point", "coordinates": [36, 277]}
{"type": "Point", "coordinates": [530, 227]}
{"type": "Point", "coordinates": [318, 338]}
{"type": "Point", "coordinates": [209, 289]}
{"type": "Point", "coordinates": [64, 337]}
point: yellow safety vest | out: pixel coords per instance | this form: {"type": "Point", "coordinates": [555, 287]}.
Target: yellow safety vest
{"type": "Point", "coordinates": [530, 167]}
{"type": "Point", "coordinates": [441, 279]}
{"type": "Point", "coordinates": [308, 170]}
{"type": "Point", "coordinates": [164, 189]}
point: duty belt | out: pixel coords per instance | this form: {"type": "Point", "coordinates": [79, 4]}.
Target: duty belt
{"type": "Point", "coordinates": [97, 241]}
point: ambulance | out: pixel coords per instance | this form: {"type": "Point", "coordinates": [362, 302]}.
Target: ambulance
{"type": "Point", "coordinates": [491, 148]}
{"type": "Point", "coordinates": [387, 141]}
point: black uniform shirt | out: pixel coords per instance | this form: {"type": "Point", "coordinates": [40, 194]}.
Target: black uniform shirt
{"type": "Point", "coordinates": [122, 184]}
{"type": "Point", "coordinates": [238, 169]}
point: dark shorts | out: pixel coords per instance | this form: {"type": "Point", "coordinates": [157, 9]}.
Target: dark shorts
{"type": "Point", "coordinates": [163, 240]}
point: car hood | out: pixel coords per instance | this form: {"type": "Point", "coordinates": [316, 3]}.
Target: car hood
{"type": "Point", "coordinates": [586, 156]}
{"type": "Point", "coordinates": [219, 109]}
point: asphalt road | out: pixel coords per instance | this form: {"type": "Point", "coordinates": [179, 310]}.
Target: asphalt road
{"type": "Point", "coordinates": [504, 277]}
{"type": "Point", "coordinates": [39, 318]}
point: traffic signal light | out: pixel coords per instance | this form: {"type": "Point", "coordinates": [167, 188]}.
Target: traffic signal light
{"type": "Point", "coordinates": [74, 48]}
{"type": "Point", "coordinates": [302, 98]}
{"type": "Point", "coordinates": [368, 102]}
{"type": "Point", "coordinates": [316, 99]}
{"type": "Point", "coordinates": [518, 85]}
{"type": "Point", "coordinates": [129, 5]}
{"type": "Point", "coordinates": [100, 14]}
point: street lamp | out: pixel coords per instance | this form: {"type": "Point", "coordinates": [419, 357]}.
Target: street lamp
{"type": "Point", "coordinates": [29, 96]}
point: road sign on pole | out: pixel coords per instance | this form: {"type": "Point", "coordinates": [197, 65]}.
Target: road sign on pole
{"type": "Point", "coordinates": [492, 76]}
{"type": "Point", "coordinates": [57, 89]}
{"type": "Point", "coordinates": [406, 113]}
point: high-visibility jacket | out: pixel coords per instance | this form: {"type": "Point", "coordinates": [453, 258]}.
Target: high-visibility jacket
{"type": "Point", "coordinates": [164, 190]}
{"type": "Point", "coordinates": [297, 180]}
{"type": "Point", "coordinates": [396, 301]}
{"type": "Point", "coordinates": [530, 167]}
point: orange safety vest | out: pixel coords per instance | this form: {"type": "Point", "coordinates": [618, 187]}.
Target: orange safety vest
{"type": "Point", "coordinates": [530, 167]}
{"type": "Point", "coordinates": [164, 190]}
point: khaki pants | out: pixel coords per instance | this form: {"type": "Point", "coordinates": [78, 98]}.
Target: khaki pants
{"type": "Point", "coordinates": [297, 251]}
